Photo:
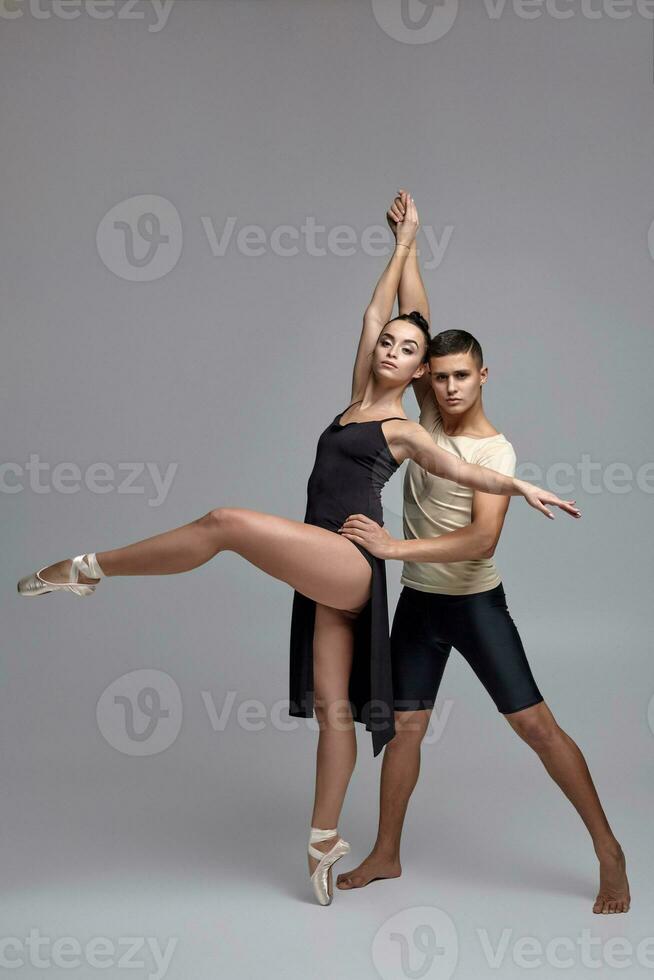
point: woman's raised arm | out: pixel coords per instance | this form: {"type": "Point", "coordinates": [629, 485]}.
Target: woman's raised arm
{"type": "Point", "coordinates": [411, 293]}
{"type": "Point", "coordinates": [380, 308]}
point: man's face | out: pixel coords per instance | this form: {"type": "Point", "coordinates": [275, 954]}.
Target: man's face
{"type": "Point", "coordinates": [456, 380]}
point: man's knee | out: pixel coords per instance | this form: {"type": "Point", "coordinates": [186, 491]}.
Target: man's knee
{"type": "Point", "coordinates": [410, 729]}
{"type": "Point", "coordinates": [536, 725]}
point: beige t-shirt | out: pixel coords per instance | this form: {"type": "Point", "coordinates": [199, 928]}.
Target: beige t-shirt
{"type": "Point", "coordinates": [435, 506]}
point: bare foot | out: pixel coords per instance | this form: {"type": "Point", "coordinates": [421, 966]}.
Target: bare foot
{"type": "Point", "coordinates": [61, 572]}
{"type": "Point", "coordinates": [613, 895]}
{"type": "Point", "coordinates": [372, 868]}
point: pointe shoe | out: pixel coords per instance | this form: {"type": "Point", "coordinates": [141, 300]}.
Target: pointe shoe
{"type": "Point", "coordinates": [34, 584]}
{"type": "Point", "coordinates": [319, 878]}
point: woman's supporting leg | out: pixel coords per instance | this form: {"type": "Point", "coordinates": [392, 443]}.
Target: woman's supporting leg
{"type": "Point", "coordinates": [333, 644]}
{"type": "Point", "coordinates": [566, 765]}
{"type": "Point", "coordinates": [321, 564]}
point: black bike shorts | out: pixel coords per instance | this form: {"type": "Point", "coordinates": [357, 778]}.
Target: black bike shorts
{"type": "Point", "coordinates": [427, 625]}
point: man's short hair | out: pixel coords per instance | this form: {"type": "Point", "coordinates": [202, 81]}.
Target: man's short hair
{"type": "Point", "coordinates": [455, 342]}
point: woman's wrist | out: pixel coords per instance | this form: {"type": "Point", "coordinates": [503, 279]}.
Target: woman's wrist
{"type": "Point", "coordinates": [520, 486]}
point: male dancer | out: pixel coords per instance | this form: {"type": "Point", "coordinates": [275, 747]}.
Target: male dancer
{"type": "Point", "coordinates": [453, 596]}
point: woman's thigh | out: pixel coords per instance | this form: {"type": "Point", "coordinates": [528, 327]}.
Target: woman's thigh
{"type": "Point", "coordinates": [333, 649]}
{"type": "Point", "coordinates": [318, 563]}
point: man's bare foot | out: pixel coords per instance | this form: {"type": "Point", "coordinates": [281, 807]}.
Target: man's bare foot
{"type": "Point", "coordinates": [613, 895]}
{"type": "Point", "coordinates": [371, 869]}
{"type": "Point", "coordinates": [61, 572]}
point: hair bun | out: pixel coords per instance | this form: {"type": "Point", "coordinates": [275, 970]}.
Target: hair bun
{"type": "Point", "coordinates": [418, 316]}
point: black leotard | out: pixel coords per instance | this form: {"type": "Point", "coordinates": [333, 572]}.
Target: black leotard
{"type": "Point", "coordinates": [353, 462]}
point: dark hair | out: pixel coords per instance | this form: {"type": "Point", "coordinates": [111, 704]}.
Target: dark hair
{"type": "Point", "coordinates": [455, 342]}
{"type": "Point", "coordinates": [418, 320]}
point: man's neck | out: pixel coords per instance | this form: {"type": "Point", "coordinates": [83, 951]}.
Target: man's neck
{"type": "Point", "coordinates": [473, 422]}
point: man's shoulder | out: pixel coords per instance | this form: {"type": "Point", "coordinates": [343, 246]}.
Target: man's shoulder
{"type": "Point", "coordinates": [497, 453]}
{"type": "Point", "coordinates": [497, 441]}
{"type": "Point", "coordinates": [495, 437]}
{"type": "Point", "coordinates": [491, 430]}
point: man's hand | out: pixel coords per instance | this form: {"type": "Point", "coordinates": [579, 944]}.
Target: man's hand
{"type": "Point", "coordinates": [368, 533]}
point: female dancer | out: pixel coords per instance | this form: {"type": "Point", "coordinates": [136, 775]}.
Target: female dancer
{"type": "Point", "coordinates": [339, 624]}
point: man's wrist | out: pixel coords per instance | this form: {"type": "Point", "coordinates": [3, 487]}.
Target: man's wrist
{"type": "Point", "coordinates": [395, 549]}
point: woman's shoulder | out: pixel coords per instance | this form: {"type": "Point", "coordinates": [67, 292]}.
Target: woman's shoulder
{"type": "Point", "coordinates": [402, 424]}
{"type": "Point", "coordinates": [403, 430]}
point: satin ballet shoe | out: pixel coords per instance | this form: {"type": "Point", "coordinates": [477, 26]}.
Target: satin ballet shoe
{"type": "Point", "coordinates": [320, 876]}
{"type": "Point", "coordinates": [34, 584]}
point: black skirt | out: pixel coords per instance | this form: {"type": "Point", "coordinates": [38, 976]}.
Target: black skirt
{"type": "Point", "coordinates": [371, 679]}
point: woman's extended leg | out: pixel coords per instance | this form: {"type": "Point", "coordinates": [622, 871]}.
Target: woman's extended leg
{"type": "Point", "coordinates": [321, 564]}
{"type": "Point", "coordinates": [333, 644]}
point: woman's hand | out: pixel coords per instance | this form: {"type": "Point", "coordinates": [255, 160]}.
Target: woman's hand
{"type": "Point", "coordinates": [407, 228]}
{"type": "Point", "coordinates": [396, 211]}
{"type": "Point", "coordinates": [368, 533]}
{"type": "Point", "coordinates": [537, 497]}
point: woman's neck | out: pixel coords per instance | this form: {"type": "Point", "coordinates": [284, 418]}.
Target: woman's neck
{"type": "Point", "coordinates": [377, 398]}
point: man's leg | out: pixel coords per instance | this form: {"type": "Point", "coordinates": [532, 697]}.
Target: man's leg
{"type": "Point", "coordinates": [488, 639]}
{"type": "Point", "coordinates": [419, 655]}
{"type": "Point", "coordinates": [399, 775]}
{"type": "Point", "coordinates": [566, 765]}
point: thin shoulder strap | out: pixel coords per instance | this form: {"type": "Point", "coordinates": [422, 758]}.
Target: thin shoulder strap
{"type": "Point", "coordinates": [389, 419]}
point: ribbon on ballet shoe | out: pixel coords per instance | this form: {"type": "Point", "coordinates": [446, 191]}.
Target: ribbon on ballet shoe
{"type": "Point", "coordinates": [88, 565]}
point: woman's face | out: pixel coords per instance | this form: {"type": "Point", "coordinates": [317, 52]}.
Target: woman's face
{"type": "Point", "coordinates": [398, 353]}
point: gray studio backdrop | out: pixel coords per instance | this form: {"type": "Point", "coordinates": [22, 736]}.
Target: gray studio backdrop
{"type": "Point", "coordinates": [193, 203]}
